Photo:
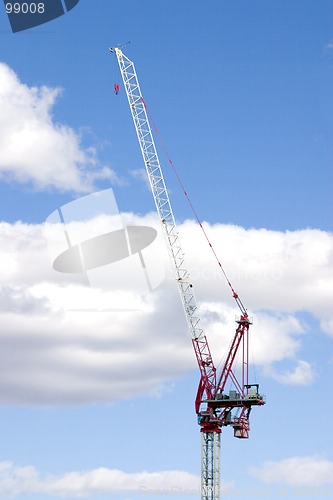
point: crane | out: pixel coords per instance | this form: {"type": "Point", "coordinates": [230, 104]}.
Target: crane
{"type": "Point", "coordinates": [214, 405]}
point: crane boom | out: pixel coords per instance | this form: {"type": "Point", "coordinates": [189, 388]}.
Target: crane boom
{"type": "Point", "coordinates": [164, 209]}
{"type": "Point", "coordinates": [212, 405]}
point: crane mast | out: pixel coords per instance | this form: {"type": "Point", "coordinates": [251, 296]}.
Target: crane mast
{"type": "Point", "coordinates": [212, 405]}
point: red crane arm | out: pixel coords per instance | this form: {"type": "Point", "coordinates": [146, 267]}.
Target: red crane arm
{"type": "Point", "coordinates": [241, 334]}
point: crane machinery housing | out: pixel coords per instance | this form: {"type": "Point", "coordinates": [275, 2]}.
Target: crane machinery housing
{"type": "Point", "coordinates": [214, 405]}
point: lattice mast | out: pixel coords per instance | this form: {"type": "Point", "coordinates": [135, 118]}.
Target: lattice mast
{"type": "Point", "coordinates": [212, 405]}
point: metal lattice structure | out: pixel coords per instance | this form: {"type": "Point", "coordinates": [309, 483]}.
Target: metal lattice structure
{"type": "Point", "coordinates": [213, 406]}
{"type": "Point", "coordinates": [210, 465]}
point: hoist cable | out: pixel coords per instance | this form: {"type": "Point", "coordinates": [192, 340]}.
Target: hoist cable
{"type": "Point", "coordinates": [234, 294]}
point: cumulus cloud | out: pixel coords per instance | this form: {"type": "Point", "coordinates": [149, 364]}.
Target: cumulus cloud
{"type": "Point", "coordinates": [296, 471]}
{"type": "Point", "coordinates": [302, 374]}
{"type": "Point", "coordinates": [273, 270]}
{"type": "Point", "coordinates": [16, 480]}
{"type": "Point", "coordinates": [77, 343]}
{"type": "Point", "coordinates": [36, 149]}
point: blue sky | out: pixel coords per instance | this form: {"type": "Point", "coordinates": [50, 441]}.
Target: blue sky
{"type": "Point", "coordinates": [101, 404]}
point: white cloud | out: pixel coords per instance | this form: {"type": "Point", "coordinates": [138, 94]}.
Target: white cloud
{"type": "Point", "coordinates": [141, 341]}
{"type": "Point", "coordinates": [296, 471]}
{"type": "Point", "coordinates": [141, 175]}
{"type": "Point", "coordinates": [329, 45]}
{"type": "Point", "coordinates": [302, 374]}
{"type": "Point", "coordinates": [273, 270]}
{"type": "Point", "coordinates": [36, 149]}
{"type": "Point", "coordinates": [326, 325]}
{"type": "Point", "coordinates": [15, 480]}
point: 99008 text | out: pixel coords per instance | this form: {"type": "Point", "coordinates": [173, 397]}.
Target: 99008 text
{"type": "Point", "coordinates": [25, 8]}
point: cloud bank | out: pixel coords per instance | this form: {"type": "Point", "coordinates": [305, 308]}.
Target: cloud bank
{"type": "Point", "coordinates": [16, 480]}
{"type": "Point", "coordinates": [34, 148]}
{"type": "Point", "coordinates": [296, 471]}
{"type": "Point", "coordinates": [302, 475]}
{"type": "Point", "coordinates": [77, 344]}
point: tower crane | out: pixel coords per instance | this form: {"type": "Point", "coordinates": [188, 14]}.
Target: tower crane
{"type": "Point", "coordinates": [214, 406]}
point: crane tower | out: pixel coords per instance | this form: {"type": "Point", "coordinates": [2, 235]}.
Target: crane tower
{"type": "Point", "coordinates": [214, 406]}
